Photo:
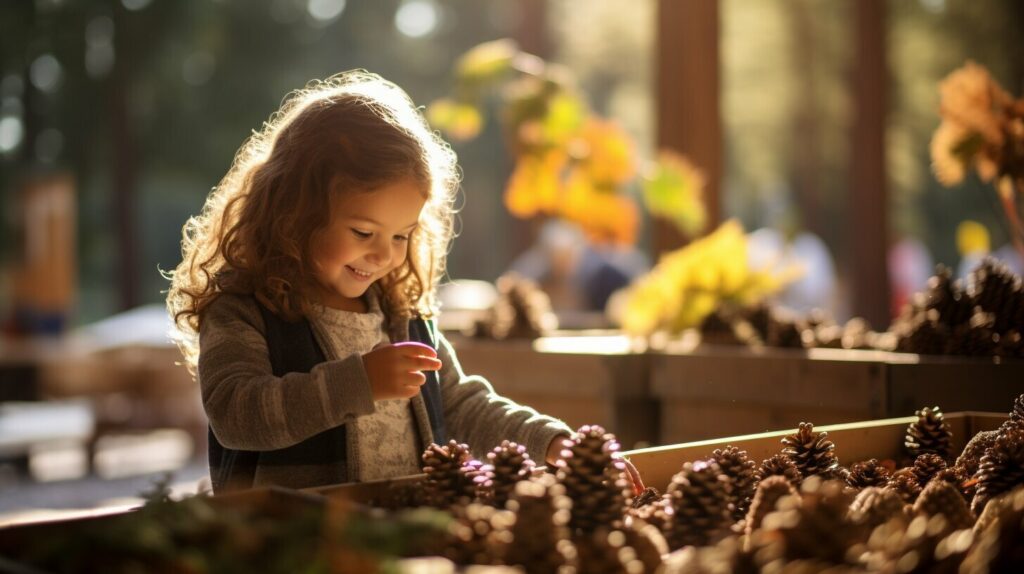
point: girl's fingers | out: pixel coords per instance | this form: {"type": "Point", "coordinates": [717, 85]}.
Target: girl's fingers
{"type": "Point", "coordinates": [414, 349]}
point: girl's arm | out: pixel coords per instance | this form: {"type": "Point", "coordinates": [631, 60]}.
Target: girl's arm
{"type": "Point", "coordinates": [251, 409]}
{"type": "Point", "coordinates": [477, 415]}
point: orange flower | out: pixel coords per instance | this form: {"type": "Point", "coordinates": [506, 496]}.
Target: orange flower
{"type": "Point", "coordinates": [604, 215]}
{"type": "Point", "coordinates": [606, 151]}
{"type": "Point", "coordinates": [535, 185]}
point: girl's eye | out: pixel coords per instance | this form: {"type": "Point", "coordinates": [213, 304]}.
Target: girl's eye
{"type": "Point", "coordinates": [361, 234]}
{"type": "Point", "coordinates": [401, 238]}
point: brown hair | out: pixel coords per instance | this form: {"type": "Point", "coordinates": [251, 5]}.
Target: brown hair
{"type": "Point", "coordinates": [349, 133]}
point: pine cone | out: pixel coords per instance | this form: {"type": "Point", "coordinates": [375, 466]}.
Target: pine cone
{"type": "Point", "coordinates": [657, 513]}
{"type": "Point", "coordinates": [447, 482]}
{"type": "Point", "coordinates": [1001, 469]}
{"type": "Point", "coordinates": [766, 497]}
{"type": "Point", "coordinates": [509, 463]}
{"type": "Point", "coordinates": [922, 334]}
{"type": "Point", "coordinates": [955, 476]}
{"type": "Point", "coordinates": [648, 543]}
{"type": "Point", "coordinates": [521, 311]}
{"type": "Point", "coordinates": [604, 551]}
{"type": "Point", "coordinates": [976, 338]}
{"type": "Point", "coordinates": [995, 289]}
{"type": "Point", "coordinates": [717, 329]}
{"type": "Point", "coordinates": [930, 433]}
{"type": "Point", "coordinates": [594, 480]}
{"type": "Point", "coordinates": [699, 498]}
{"type": "Point", "coordinates": [947, 299]}
{"type": "Point", "coordinates": [999, 536]}
{"type": "Point", "coordinates": [927, 466]}
{"type": "Point", "coordinates": [904, 483]}
{"type": "Point", "coordinates": [970, 459]}
{"type": "Point", "coordinates": [874, 506]}
{"type": "Point", "coordinates": [779, 465]}
{"type": "Point", "coordinates": [811, 451]}
{"type": "Point", "coordinates": [920, 546]}
{"type": "Point", "coordinates": [736, 465]}
{"type": "Point", "coordinates": [478, 535]}
{"type": "Point", "coordinates": [1016, 413]}
{"type": "Point", "coordinates": [818, 528]}
{"type": "Point", "coordinates": [942, 498]}
{"type": "Point", "coordinates": [783, 331]}
{"type": "Point", "coordinates": [867, 473]}
{"type": "Point", "coordinates": [540, 537]}
{"type": "Point", "coordinates": [648, 496]}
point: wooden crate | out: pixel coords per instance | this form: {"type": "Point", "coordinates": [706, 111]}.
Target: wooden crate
{"type": "Point", "coordinates": [711, 391]}
{"type": "Point", "coordinates": [854, 442]}
{"type": "Point", "coordinates": [581, 379]}
{"type": "Point", "coordinates": [952, 383]}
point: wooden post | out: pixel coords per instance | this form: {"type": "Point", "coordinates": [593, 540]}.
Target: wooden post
{"type": "Point", "coordinates": [866, 233]}
{"type": "Point", "coordinates": [688, 110]}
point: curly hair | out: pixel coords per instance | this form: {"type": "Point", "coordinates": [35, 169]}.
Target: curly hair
{"type": "Point", "coordinates": [352, 132]}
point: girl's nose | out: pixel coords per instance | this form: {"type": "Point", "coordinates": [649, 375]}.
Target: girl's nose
{"type": "Point", "coordinates": [380, 255]}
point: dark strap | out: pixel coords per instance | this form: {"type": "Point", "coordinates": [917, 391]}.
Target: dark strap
{"type": "Point", "coordinates": [423, 331]}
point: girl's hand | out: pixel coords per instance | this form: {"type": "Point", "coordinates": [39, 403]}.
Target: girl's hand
{"type": "Point", "coordinates": [394, 370]}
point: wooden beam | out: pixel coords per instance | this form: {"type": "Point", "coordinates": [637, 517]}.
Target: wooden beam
{"type": "Point", "coordinates": [866, 233]}
{"type": "Point", "coordinates": [688, 108]}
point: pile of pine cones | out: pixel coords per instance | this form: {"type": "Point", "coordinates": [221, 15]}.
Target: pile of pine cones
{"type": "Point", "coordinates": [798, 511]}
{"type": "Point", "coordinates": [985, 318]}
{"type": "Point", "coordinates": [521, 311]}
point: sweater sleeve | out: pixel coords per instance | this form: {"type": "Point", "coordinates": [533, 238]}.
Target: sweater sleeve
{"type": "Point", "coordinates": [479, 416]}
{"type": "Point", "coordinates": [251, 409]}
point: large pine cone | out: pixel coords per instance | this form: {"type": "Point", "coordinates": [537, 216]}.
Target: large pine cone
{"type": "Point", "coordinates": [509, 463]}
{"type": "Point", "coordinates": [867, 473]}
{"type": "Point", "coordinates": [451, 479]}
{"type": "Point", "coordinates": [766, 497]}
{"type": "Point", "coordinates": [927, 466]}
{"type": "Point", "coordinates": [479, 534]}
{"type": "Point", "coordinates": [736, 465]}
{"type": "Point", "coordinates": [594, 480]}
{"type": "Point", "coordinates": [942, 498]}
{"type": "Point", "coordinates": [1002, 467]}
{"type": "Point", "coordinates": [970, 458]}
{"type": "Point", "coordinates": [540, 537]}
{"type": "Point", "coordinates": [699, 498]}
{"type": "Point", "coordinates": [812, 452]}
{"type": "Point", "coordinates": [648, 542]}
{"type": "Point", "coordinates": [605, 551]}
{"type": "Point", "coordinates": [818, 529]}
{"type": "Point", "coordinates": [904, 483]}
{"type": "Point", "coordinates": [999, 536]}
{"type": "Point", "coordinates": [779, 465]}
{"type": "Point", "coordinates": [874, 506]}
{"type": "Point", "coordinates": [930, 433]}
{"type": "Point", "coordinates": [897, 546]}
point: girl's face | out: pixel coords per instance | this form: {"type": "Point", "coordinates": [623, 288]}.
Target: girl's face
{"type": "Point", "coordinates": [368, 238]}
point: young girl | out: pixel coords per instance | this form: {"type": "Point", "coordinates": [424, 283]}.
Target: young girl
{"type": "Point", "coordinates": [312, 265]}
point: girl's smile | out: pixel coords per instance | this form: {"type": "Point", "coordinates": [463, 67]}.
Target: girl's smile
{"type": "Point", "coordinates": [367, 239]}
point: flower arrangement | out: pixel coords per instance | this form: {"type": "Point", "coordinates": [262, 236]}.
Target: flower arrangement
{"type": "Point", "coordinates": [982, 129]}
{"type": "Point", "coordinates": [688, 284]}
{"type": "Point", "coordinates": [569, 162]}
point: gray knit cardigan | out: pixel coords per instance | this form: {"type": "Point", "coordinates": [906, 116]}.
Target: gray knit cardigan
{"type": "Point", "coordinates": [251, 409]}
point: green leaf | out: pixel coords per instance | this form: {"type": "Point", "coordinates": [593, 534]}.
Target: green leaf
{"type": "Point", "coordinates": [673, 190]}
